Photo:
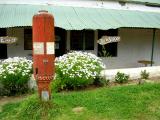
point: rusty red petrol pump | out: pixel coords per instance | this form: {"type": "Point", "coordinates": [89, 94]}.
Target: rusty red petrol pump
{"type": "Point", "coordinates": [43, 52]}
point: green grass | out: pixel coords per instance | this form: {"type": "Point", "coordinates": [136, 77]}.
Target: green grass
{"type": "Point", "coordinates": [136, 102]}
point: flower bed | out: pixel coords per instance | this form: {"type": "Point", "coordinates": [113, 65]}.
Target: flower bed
{"type": "Point", "coordinates": [77, 69]}
{"type": "Point", "coordinates": [14, 75]}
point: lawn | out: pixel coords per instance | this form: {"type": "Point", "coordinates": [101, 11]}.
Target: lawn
{"type": "Point", "coordinates": [132, 102]}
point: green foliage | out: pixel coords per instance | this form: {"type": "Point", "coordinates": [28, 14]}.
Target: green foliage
{"type": "Point", "coordinates": [104, 53]}
{"type": "Point", "coordinates": [57, 84]}
{"type": "Point", "coordinates": [77, 70]}
{"type": "Point", "coordinates": [100, 81]}
{"type": "Point", "coordinates": [131, 102]}
{"type": "Point", "coordinates": [121, 77]}
{"type": "Point", "coordinates": [144, 74]}
{"type": "Point", "coordinates": [14, 75]}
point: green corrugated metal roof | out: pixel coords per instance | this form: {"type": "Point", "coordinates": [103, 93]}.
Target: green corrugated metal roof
{"type": "Point", "coordinates": [75, 18]}
{"type": "Point", "coordinates": [149, 1]}
{"type": "Point", "coordinates": [152, 2]}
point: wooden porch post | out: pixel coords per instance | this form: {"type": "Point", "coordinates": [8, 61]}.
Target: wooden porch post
{"type": "Point", "coordinates": [153, 45]}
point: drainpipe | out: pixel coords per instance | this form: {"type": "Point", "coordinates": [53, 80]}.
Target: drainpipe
{"type": "Point", "coordinates": [153, 45]}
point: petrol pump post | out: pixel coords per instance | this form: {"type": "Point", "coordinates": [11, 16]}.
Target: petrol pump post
{"type": "Point", "coordinates": [43, 52]}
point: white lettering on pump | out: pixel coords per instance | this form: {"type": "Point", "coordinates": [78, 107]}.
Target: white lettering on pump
{"type": "Point", "coordinates": [50, 48]}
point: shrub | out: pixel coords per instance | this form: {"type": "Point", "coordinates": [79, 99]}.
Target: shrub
{"type": "Point", "coordinates": [57, 84]}
{"type": "Point", "coordinates": [77, 69]}
{"type": "Point", "coordinates": [14, 75]}
{"type": "Point", "coordinates": [100, 81]}
{"type": "Point", "coordinates": [144, 74]}
{"type": "Point", "coordinates": [121, 77]}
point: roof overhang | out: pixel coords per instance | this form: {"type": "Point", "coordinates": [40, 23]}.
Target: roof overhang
{"type": "Point", "coordinates": [78, 18]}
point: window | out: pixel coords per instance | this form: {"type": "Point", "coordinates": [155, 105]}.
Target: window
{"type": "Point", "coordinates": [60, 35]}
{"type": "Point", "coordinates": [3, 47]}
{"type": "Point", "coordinates": [27, 39]}
{"type": "Point", "coordinates": [82, 40]}
{"type": "Point", "coordinates": [109, 49]}
{"type": "Point", "coordinates": [60, 41]}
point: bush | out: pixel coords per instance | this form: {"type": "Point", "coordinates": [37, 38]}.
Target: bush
{"type": "Point", "coordinates": [57, 84]}
{"type": "Point", "coordinates": [100, 81]}
{"type": "Point", "coordinates": [77, 69]}
{"type": "Point", "coordinates": [144, 74]}
{"type": "Point", "coordinates": [121, 77]}
{"type": "Point", "coordinates": [14, 75]}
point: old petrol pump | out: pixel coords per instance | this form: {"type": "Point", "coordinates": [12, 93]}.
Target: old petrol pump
{"type": "Point", "coordinates": [43, 52]}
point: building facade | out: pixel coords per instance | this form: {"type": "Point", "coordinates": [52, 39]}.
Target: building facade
{"type": "Point", "coordinates": [137, 24]}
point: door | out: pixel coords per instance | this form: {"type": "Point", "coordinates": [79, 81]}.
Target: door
{"type": "Point", "coordinates": [3, 47]}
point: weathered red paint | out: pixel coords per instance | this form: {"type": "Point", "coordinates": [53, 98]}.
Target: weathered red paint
{"type": "Point", "coordinates": [43, 64]}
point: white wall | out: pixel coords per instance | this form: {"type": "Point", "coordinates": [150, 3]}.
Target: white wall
{"type": "Point", "coordinates": [157, 48]}
{"type": "Point", "coordinates": [134, 73]}
{"type": "Point", "coordinates": [18, 48]}
{"type": "Point", "coordinates": [135, 44]}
